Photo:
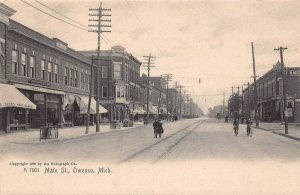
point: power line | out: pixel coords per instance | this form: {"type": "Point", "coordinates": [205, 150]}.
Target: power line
{"type": "Point", "coordinates": [136, 16]}
{"type": "Point", "coordinates": [87, 28]}
{"type": "Point", "coordinates": [102, 37]}
{"type": "Point", "coordinates": [61, 14]}
{"type": "Point", "coordinates": [52, 15]}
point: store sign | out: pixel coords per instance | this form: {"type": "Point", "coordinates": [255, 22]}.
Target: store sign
{"type": "Point", "coordinates": [295, 72]}
{"type": "Point", "coordinates": [39, 89]}
{"type": "Point", "coordinates": [289, 112]}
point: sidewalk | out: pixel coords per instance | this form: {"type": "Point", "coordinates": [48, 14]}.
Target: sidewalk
{"type": "Point", "coordinates": [33, 136]}
{"type": "Point", "coordinates": [278, 128]}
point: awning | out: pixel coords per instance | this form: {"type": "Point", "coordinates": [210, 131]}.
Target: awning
{"type": "Point", "coordinates": [10, 96]}
{"type": "Point", "coordinates": [83, 104]}
{"type": "Point", "coordinates": [139, 110]}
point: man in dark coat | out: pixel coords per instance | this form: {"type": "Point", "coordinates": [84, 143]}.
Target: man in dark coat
{"type": "Point", "coordinates": [158, 129]}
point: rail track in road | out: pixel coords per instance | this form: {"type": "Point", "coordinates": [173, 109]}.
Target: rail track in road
{"type": "Point", "coordinates": [161, 141]}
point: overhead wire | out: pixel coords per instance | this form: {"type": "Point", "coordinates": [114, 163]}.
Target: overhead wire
{"type": "Point", "coordinates": [85, 28]}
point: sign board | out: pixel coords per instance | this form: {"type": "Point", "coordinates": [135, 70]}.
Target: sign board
{"type": "Point", "coordinates": [289, 112]}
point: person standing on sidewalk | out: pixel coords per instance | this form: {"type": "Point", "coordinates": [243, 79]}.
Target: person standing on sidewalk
{"type": "Point", "coordinates": [249, 130]}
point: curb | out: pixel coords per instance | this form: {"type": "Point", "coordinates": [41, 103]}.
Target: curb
{"type": "Point", "coordinates": [288, 136]}
{"type": "Point", "coordinates": [281, 134]}
{"type": "Point", "coordinates": [72, 138]}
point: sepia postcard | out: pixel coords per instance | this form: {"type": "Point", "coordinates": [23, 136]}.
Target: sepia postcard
{"type": "Point", "coordinates": [149, 97]}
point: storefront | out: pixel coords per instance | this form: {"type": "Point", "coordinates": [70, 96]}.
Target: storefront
{"type": "Point", "coordinates": [14, 109]}
{"type": "Point", "coordinates": [75, 109]}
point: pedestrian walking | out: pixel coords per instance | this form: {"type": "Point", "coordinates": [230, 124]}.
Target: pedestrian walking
{"type": "Point", "coordinates": [158, 129]}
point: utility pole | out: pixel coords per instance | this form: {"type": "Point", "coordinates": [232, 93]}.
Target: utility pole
{"type": "Point", "coordinates": [238, 103]}
{"type": "Point", "coordinates": [286, 127]}
{"type": "Point", "coordinates": [184, 103]}
{"type": "Point", "coordinates": [180, 101]}
{"type": "Point", "coordinates": [176, 99]}
{"type": "Point", "coordinates": [248, 102]}
{"type": "Point", "coordinates": [149, 63]}
{"type": "Point", "coordinates": [255, 88]}
{"type": "Point", "coordinates": [168, 77]}
{"type": "Point", "coordinates": [98, 13]}
{"type": "Point", "coordinates": [159, 100]}
{"type": "Point", "coordinates": [90, 98]}
{"type": "Point", "coordinates": [223, 104]}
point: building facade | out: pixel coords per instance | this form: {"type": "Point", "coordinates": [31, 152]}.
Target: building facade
{"type": "Point", "coordinates": [270, 95]}
{"type": "Point", "coordinates": [52, 76]}
{"type": "Point", "coordinates": [119, 82]}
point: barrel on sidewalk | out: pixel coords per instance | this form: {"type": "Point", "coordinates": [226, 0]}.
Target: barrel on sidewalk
{"type": "Point", "coordinates": [48, 132]}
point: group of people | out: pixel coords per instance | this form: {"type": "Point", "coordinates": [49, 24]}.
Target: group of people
{"type": "Point", "coordinates": [236, 126]}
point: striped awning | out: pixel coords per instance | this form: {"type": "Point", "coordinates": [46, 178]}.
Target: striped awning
{"type": "Point", "coordinates": [83, 104]}
{"type": "Point", "coordinates": [10, 96]}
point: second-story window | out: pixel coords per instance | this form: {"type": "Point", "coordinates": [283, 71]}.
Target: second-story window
{"type": "Point", "coordinates": [15, 59]}
{"type": "Point", "coordinates": [76, 79]}
{"type": "Point", "coordinates": [71, 77]}
{"type": "Point", "coordinates": [24, 64]}
{"type": "Point", "coordinates": [81, 80]}
{"type": "Point", "coordinates": [117, 71]}
{"type": "Point", "coordinates": [49, 71]}
{"type": "Point", "coordinates": [89, 82]}
{"type": "Point", "coordinates": [104, 91]}
{"type": "Point", "coordinates": [86, 82]}
{"type": "Point", "coordinates": [66, 76]}
{"type": "Point", "coordinates": [32, 67]}
{"type": "Point", "coordinates": [104, 71]}
{"type": "Point", "coordinates": [43, 62]}
{"type": "Point", "coordinates": [55, 73]}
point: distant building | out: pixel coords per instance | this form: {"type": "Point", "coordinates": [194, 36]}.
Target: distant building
{"type": "Point", "coordinates": [270, 95]}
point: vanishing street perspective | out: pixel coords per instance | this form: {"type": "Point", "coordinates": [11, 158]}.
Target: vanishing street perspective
{"type": "Point", "coordinates": [209, 87]}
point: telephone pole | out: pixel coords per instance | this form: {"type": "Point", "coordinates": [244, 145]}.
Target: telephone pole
{"type": "Point", "coordinates": [223, 104]}
{"type": "Point", "coordinates": [180, 101]}
{"type": "Point", "coordinates": [98, 13]}
{"type": "Point", "coordinates": [90, 97]}
{"type": "Point", "coordinates": [168, 77]}
{"type": "Point", "coordinates": [281, 49]}
{"type": "Point", "coordinates": [255, 88]}
{"type": "Point", "coordinates": [149, 62]}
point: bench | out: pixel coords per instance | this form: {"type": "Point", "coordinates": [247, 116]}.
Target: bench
{"type": "Point", "coordinates": [17, 127]}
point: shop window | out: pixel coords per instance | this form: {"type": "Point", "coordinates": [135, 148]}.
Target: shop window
{"type": "Point", "coordinates": [15, 61]}
{"type": "Point", "coordinates": [43, 62]}
{"type": "Point", "coordinates": [24, 64]}
{"type": "Point", "coordinates": [50, 71]}
{"type": "Point", "coordinates": [32, 67]}
{"type": "Point", "coordinates": [118, 92]}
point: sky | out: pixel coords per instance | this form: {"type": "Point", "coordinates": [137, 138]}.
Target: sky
{"type": "Point", "coordinates": [192, 40]}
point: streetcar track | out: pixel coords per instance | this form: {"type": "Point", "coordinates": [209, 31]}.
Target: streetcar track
{"type": "Point", "coordinates": [173, 145]}
{"type": "Point", "coordinates": [156, 143]}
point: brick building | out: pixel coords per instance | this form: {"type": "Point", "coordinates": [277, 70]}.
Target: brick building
{"type": "Point", "coordinates": [49, 74]}
{"type": "Point", "coordinates": [119, 77]}
{"type": "Point", "coordinates": [270, 95]}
